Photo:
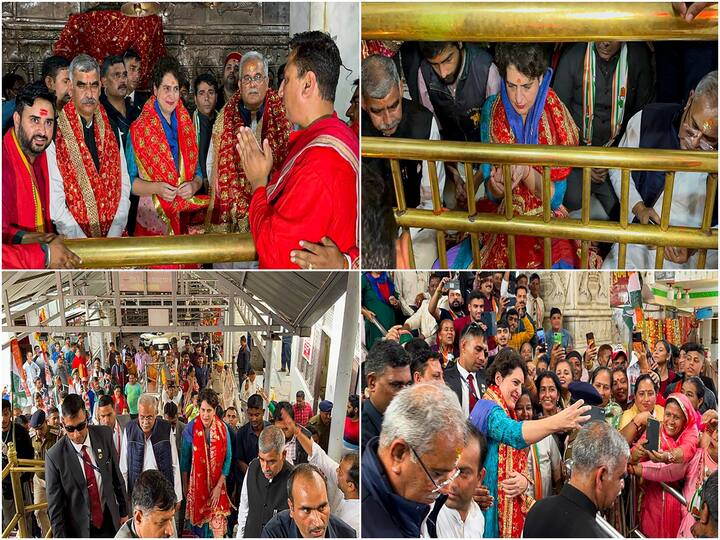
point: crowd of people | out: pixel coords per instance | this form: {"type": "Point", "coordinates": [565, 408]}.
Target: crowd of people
{"type": "Point", "coordinates": [89, 153]}
{"type": "Point", "coordinates": [149, 443]}
{"type": "Point", "coordinates": [656, 95]}
{"type": "Point", "coordinates": [484, 417]}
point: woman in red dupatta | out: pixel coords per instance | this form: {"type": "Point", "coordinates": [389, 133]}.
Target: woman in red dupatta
{"type": "Point", "coordinates": [527, 111]}
{"type": "Point", "coordinates": [207, 456]}
{"type": "Point", "coordinates": [163, 159]}
{"type": "Point", "coordinates": [660, 512]}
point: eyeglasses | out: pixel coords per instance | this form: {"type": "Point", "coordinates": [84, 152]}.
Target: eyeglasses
{"type": "Point", "coordinates": [694, 136]}
{"type": "Point", "coordinates": [257, 79]}
{"type": "Point", "coordinates": [438, 487]}
{"type": "Point", "coordinates": [79, 427]}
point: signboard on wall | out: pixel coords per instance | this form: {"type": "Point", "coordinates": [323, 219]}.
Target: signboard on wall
{"type": "Point", "coordinates": [307, 347]}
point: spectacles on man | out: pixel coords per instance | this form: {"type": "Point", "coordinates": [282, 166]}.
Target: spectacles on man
{"type": "Point", "coordinates": [78, 427]}
{"type": "Point", "coordinates": [442, 485]}
{"type": "Point", "coordinates": [693, 134]}
{"type": "Point", "coordinates": [257, 79]}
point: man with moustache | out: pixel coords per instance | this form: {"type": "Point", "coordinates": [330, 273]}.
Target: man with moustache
{"type": "Point", "coordinates": [620, 76]}
{"type": "Point", "coordinates": [92, 200]}
{"type": "Point", "coordinates": [28, 239]}
{"type": "Point", "coordinates": [260, 108]}
{"type": "Point", "coordinates": [230, 78]}
{"type": "Point", "coordinates": [113, 98]}
{"type": "Point", "coordinates": [457, 515]}
{"type": "Point", "coordinates": [455, 303]}
{"type": "Point", "coordinates": [385, 113]}
{"type": "Point", "coordinates": [424, 429]}
{"type": "Point", "coordinates": [305, 214]}
{"type": "Point", "coordinates": [205, 87]}
{"type": "Point", "coordinates": [57, 79]}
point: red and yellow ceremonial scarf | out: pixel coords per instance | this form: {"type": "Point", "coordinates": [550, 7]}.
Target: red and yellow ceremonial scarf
{"type": "Point", "coordinates": [92, 196]}
{"type": "Point", "coordinates": [207, 464]}
{"type": "Point", "coordinates": [27, 184]}
{"type": "Point", "coordinates": [511, 510]}
{"type": "Point", "coordinates": [229, 190]}
{"type": "Point", "coordinates": [156, 164]}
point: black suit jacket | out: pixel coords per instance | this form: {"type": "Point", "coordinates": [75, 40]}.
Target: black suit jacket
{"type": "Point", "coordinates": [67, 494]}
{"type": "Point", "coordinates": [455, 381]}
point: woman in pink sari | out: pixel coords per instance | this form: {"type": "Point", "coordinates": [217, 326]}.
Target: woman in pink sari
{"type": "Point", "coordinates": [660, 512]}
{"type": "Point", "coordinates": [695, 472]}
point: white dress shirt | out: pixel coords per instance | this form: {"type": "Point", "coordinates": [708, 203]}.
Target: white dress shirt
{"type": "Point", "coordinates": [149, 462]}
{"type": "Point", "coordinates": [59, 211]}
{"type": "Point", "coordinates": [686, 210]}
{"type": "Point", "coordinates": [465, 390]}
{"type": "Point", "coordinates": [450, 525]}
{"type": "Point", "coordinates": [91, 452]}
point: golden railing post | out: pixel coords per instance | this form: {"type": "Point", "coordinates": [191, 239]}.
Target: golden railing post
{"type": "Point", "coordinates": [711, 192]}
{"type": "Point", "coordinates": [17, 490]}
{"type": "Point", "coordinates": [665, 216]}
{"type": "Point", "coordinates": [401, 206]}
{"type": "Point", "coordinates": [547, 215]}
{"type": "Point", "coordinates": [585, 219]}
{"type": "Point", "coordinates": [624, 198]}
{"type": "Point", "coordinates": [507, 182]}
{"type": "Point", "coordinates": [437, 210]}
{"type": "Point", "coordinates": [472, 210]}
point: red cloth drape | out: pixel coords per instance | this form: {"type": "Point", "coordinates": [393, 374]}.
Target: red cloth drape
{"type": "Point", "coordinates": [104, 33]}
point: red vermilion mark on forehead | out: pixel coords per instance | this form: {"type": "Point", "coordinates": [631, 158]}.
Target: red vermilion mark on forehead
{"type": "Point", "coordinates": [43, 112]}
{"type": "Point", "coordinates": [518, 81]}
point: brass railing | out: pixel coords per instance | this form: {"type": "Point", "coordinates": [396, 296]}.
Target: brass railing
{"type": "Point", "coordinates": [543, 22]}
{"type": "Point", "coordinates": [163, 250]}
{"type": "Point", "coordinates": [584, 229]}
{"type": "Point", "coordinates": [15, 468]}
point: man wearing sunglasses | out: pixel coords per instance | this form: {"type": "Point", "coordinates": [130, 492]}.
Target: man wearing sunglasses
{"type": "Point", "coordinates": [414, 459]}
{"type": "Point", "coordinates": [85, 488]}
{"type": "Point", "coordinates": [692, 127]}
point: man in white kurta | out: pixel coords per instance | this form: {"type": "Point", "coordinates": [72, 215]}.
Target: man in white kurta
{"type": "Point", "coordinates": [689, 190]}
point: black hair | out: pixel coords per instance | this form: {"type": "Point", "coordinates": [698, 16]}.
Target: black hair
{"type": "Point", "coordinates": [230, 407]}
{"type": "Point", "coordinates": [109, 62]}
{"type": "Point", "coordinates": [420, 360]}
{"type": "Point", "coordinates": [699, 386]}
{"type": "Point", "coordinates": [52, 64]}
{"type": "Point", "coordinates": [354, 401]}
{"type": "Point", "coordinates": [530, 59]}
{"type": "Point", "coordinates": [379, 229]}
{"type": "Point", "coordinates": [474, 433]}
{"type": "Point", "coordinates": [209, 396]}
{"type": "Point", "coordinates": [170, 409]}
{"type": "Point", "coordinates": [710, 496]}
{"type": "Point", "coordinates": [104, 401]}
{"type": "Point", "coordinates": [165, 65]}
{"type": "Point", "coordinates": [152, 491]}
{"type": "Point", "coordinates": [548, 375]}
{"type": "Point", "coordinates": [219, 412]}
{"type": "Point", "coordinates": [430, 49]}
{"type": "Point", "coordinates": [303, 469]}
{"type": "Point", "coordinates": [506, 361]}
{"type": "Point", "coordinates": [354, 470]}
{"type": "Point", "coordinates": [72, 405]}
{"type": "Point", "coordinates": [317, 52]}
{"type": "Point", "coordinates": [511, 311]}
{"type": "Point", "coordinates": [518, 287]}
{"type": "Point", "coordinates": [255, 402]}
{"type": "Point", "coordinates": [693, 347]}
{"type": "Point", "coordinates": [533, 277]}
{"type": "Point", "coordinates": [385, 353]}
{"type": "Point", "coordinates": [555, 311]}
{"type": "Point", "coordinates": [6, 405]}
{"type": "Point", "coordinates": [210, 80]}
{"type": "Point", "coordinates": [475, 295]}
{"type": "Point", "coordinates": [300, 393]}
{"type": "Point", "coordinates": [597, 371]}
{"type": "Point", "coordinates": [132, 54]}
{"type": "Point", "coordinates": [29, 94]}
{"type": "Point", "coordinates": [645, 377]}
{"type": "Point", "coordinates": [416, 345]}
{"type": "Point", "coordinates": [8, 81]}
{"type": "Point", "coordinates": [52, 410]}
{"type": "Point", "coordinates": [283, 406]}
{"type": "Point", "coordinates": [473, 330]}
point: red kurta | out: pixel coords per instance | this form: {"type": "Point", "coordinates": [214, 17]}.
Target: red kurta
{"type": "Point", "coordinates": [314, 194]}
{"type": "Point", "coordinates": [19, 210]}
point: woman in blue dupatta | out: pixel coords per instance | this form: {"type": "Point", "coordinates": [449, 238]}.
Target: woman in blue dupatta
{"type": "Point", "coordinates": [506, 475]}
{"type": "Point", "coordinates": [527, 111]}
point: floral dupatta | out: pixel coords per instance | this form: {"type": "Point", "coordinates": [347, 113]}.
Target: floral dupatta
{"type": "Point", "coordinates": [511, 510]}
